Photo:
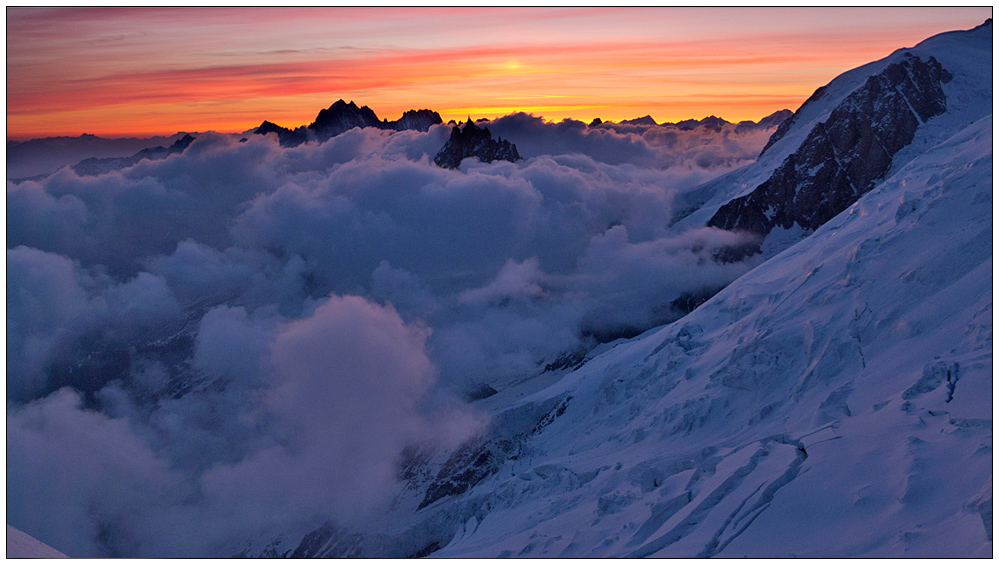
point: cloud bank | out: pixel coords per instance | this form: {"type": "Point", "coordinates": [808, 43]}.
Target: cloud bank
{"type": "Point", "coordinates": [241, 340]}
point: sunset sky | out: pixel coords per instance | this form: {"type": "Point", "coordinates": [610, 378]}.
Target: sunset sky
{"type": "Point", "coordinates": [123, 72]}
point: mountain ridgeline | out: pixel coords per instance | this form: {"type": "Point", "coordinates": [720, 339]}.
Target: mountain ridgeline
{"type": "Point", "coordinates": [94, 166]}
{"type": "Point", "coordinates": [710, 123]}
{"type": "Point", "coordinates": [465, 142]}
{"type": "Point", "coordinates": [469, 141]}
{"type": "Point", "coordinates": [343, 116]}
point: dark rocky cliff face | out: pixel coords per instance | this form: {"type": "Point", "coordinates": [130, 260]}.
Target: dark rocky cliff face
{"type": "Point", "coordinates": [470, 141]}
{"type": "Point", "coordinates": [840, 159]}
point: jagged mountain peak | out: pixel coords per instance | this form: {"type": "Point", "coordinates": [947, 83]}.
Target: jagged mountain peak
{"type": "Point", "coordinates": [342, 116]}
{"type": "Point", "coordinates": [419, 120]}
{"type": "Point", "coordinates": [342, 104]}
{"type": "Point", "coordinates": [469, 140]}
{"type": "Point", "coordinates": [644, 120]}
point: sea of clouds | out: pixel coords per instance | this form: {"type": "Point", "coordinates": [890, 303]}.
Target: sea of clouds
{"type": "Point", "coordinates": [242, 339]}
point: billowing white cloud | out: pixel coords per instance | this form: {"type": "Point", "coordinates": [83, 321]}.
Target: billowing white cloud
{"type": "Point", "coordinates": [330, 400]}
{"type": "Point", "coordinates": [82, 480]}
{"type": "Point", "coordinates": [345, 394]}
{"type": "Point", "coordinates": [46, 310]}
{"type": "Point", "coordinates": [264, 329]}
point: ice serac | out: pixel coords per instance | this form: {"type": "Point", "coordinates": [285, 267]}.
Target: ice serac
{"type": "Point", "coordinates": [842, 157]}
{"type": "Point", "coordinates": [471, 141]}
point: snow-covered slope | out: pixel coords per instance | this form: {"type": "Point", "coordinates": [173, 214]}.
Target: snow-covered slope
{"type": "Point", "coordinates": [836, 401]}
{"type": "Point", "coordinates": [23, 545]}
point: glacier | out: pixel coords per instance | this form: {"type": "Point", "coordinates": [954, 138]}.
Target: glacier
{"type": "Point", "coordinates": [799, 412]}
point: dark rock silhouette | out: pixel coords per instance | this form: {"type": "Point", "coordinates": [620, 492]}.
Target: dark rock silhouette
{"type": "Point", "coordinates": [711, 122]}
{"type": "Point", "coordinates": [343, 116]}
{"type": "Point", "coordinates": [419, 120]}
{"type": "Point", "coordinates": [644, 120]}
{"type": "Point", "coordinates": [286, 137]}
{"type": "Point", "coordinates": [471, 141]}
{"type": "Point", "coordinates": [841, 158]}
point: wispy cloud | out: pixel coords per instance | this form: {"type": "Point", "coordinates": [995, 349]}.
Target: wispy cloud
{"type": "Point", "coordinates": [106, 66]}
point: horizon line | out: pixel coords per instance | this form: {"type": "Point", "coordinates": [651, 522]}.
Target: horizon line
{"type": "Point", "coordinates": [152, 134]}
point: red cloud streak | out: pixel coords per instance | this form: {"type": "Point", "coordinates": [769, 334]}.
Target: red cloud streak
{"type": "Point", "coordinates": [111, 71]}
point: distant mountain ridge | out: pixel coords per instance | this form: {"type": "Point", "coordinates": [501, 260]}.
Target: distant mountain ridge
{"type": "Point", "coordinates": [45, 155]}
{"type": "Point", "coordinates": [713, 123]}
{"type": "Point", "coordinates": [95, 166]}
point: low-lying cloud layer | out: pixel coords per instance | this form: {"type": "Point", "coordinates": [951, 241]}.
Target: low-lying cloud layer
{"type": "Point", "coordinates": [241, 339]}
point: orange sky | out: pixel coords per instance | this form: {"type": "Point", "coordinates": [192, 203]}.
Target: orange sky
{"type": "Point", "coordinates": [119, 72]}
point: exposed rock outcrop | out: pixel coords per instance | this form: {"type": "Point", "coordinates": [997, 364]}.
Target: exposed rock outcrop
{"type": "Point", "coordinates": [841, 158]}
{"type": "Point", "coordinates": [471, 141]}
